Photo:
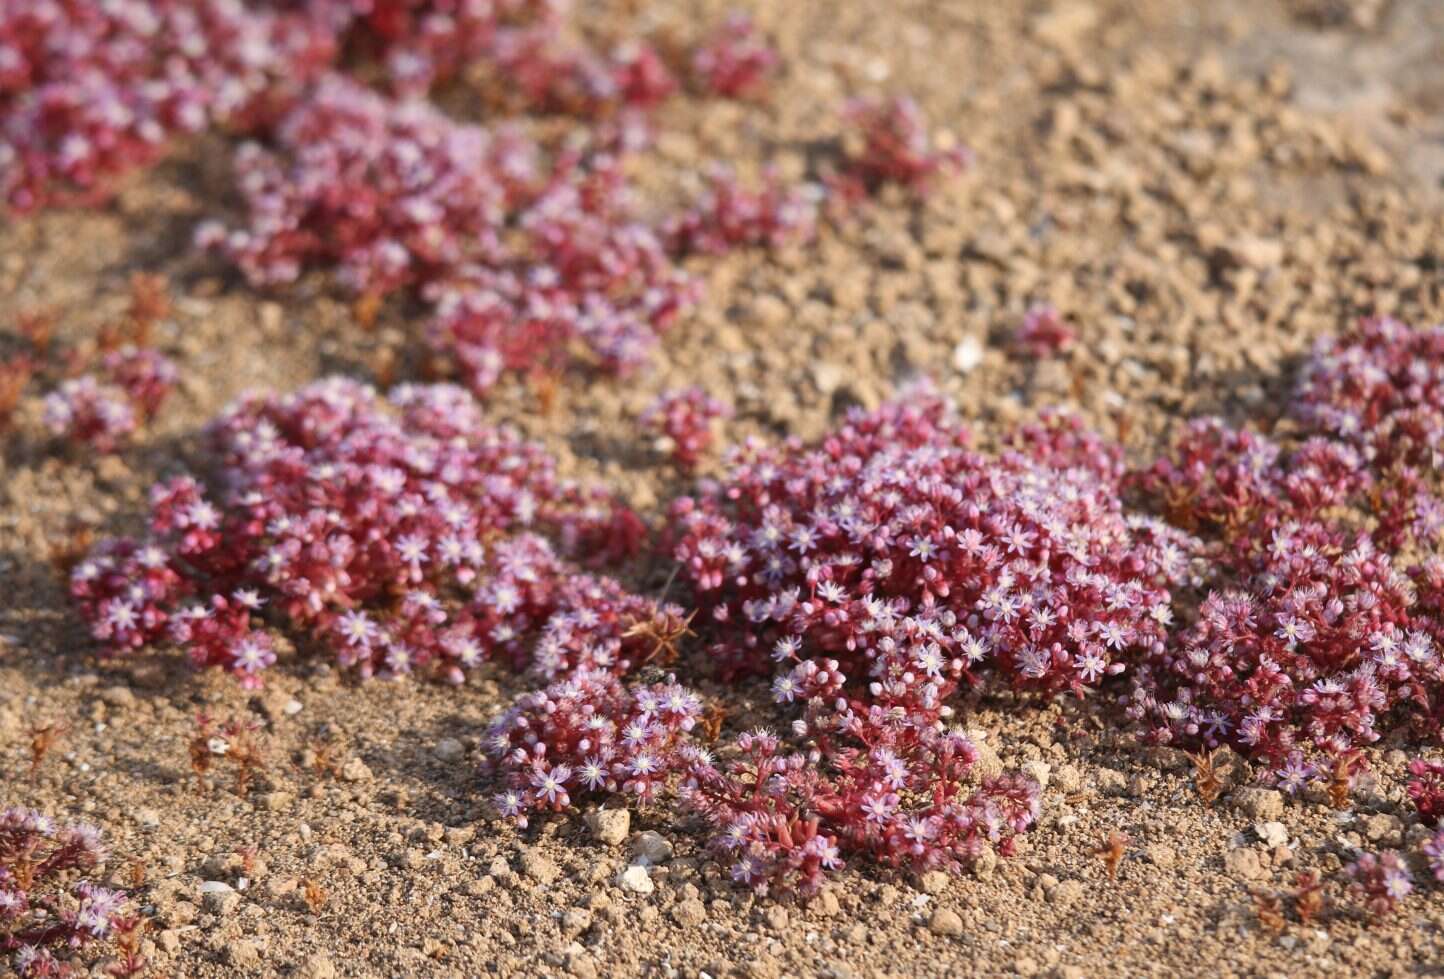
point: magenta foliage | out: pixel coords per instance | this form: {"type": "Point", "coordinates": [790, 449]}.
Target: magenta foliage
{"type": "Point", "coordinates": [869, 783]}
{"type": "Point", "coordinates": [1380, 387]}
{"type": "Point", "coordinates": [550, 76]}
{"type": "Point", "coordinates": [685, 416]}
{"type": "Point", "coordinates": [46, 914]}
{"type": "Point", "coordinates": [1043, 333]}
{"type": "Point", "coordinates": [1223, 480]}
{"type": "Point", "coordinates": [89, 91]}
{"type": "Point", "coordinates": [523, 260]}
{"type": "Point", "coordinates": [394, 193]}
{"type": "Point", "coordinates": [880, 570]}
{"type": "Point", "coordinates": [103, 412]}
{"type": "Point", "coordinates": [1315, 653]}
{"type": "Point", "coordinates": [893, 546]}
{"type": "Point", "coordinates": [146, 376]}
{"type": "Point", "coordinates": [399, 535]}
{"type": "Point", "coordinates": [1380, 881]}
{"type": "Point", "coordinates": [762, 809]}
{"type": "Point", "coordinates": [1434, 854]}
{"type": "Point", "coordinates": [92, 413]}
{"type": "Point", "coordinates": [579, 272]}
{"type": "Point", "coordinates": [1426, 789]}
{"type": "Point", "coordinates": [589, 734]}
{"type": "Point", "coordinates": [422, 42]}
{"type": "Point", "coordinates": [889, 142]}
{"type": "Point", "coordinates": [727, 215]}
{"type": "Point", "coordinates": [1316, 640]}
{"type": "Point", "coordinates": [734, 62]}
{"type": "Point", "coordinates": [1059, 440]}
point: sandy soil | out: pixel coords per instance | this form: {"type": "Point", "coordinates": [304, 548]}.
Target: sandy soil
{"type": "Point", "coordinates": [1201, 188]}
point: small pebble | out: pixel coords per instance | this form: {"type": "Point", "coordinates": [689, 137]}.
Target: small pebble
{"type": "Point", "coordinates": [1262, 804]}
{"type": "Point", "coordinates": [636, 879]}
{"type": "Point", "coordinates": [945, 922]}
{"type": "Point", "coordinates": [538, 866]}
{"type": "Point", "coordinates": [651, 847]}
{"type": "Point", "coordinates": [1272, 833]}
{"type": "Point", "coordinates": [609, 826]}
{"type": "Point", "coordinates": [356, 770]}
{"type": "Point", "coordinates": [689, 913]}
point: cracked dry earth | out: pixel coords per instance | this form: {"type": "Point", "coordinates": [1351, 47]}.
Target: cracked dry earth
{"type": "Point", "coordinates": [1201, 188]}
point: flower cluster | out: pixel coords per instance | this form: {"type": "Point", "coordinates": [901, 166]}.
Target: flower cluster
{"type": "Point", "coordinates": [579, 274]}
{"type": "Point", "coordinates": [91, 413]}
{"type": "Point", "coordinates": [104, 412]}
{"type": "Point", "coordinates": [1060, 440]}
{"type": "Point", "coordinates": [89, 91]}
{"type": "Point", "coordinates": [879, 570]}
{"type": "Point", "coordinates": [1317, 639]}
{"type": "Point", "coordinates": [762, 807]}
{"type": "Point", "coordinates": [529, 256]}
{"type": "Point", "coordinates": [915, 560]}
{"type": "Point", "coordinates": [1434, 854]}
{"type": "Point", "coordinates": [589, 734]}
{"type": "Point", "coordinates": [728, 215]}
{"type": "Point", "coordinates": [889, 142]}
{"type": "Point", "coordinates": [145, 376]}
{"type": "Point", "coordinates": [45, 913]}
{"type": "Point", "coordinates": [1379, 387]}
{"type": "Point", "coordinates": [1426, 789]}
{"type": "Point", "coordinates": [393, 193]}
{"type": "Point", "coordinates": [1380, 881]}
{"type": "Point", "coordinates": [541, 73]}
{"type": "Point", "coordinates": [871, 782]}
{"type": "Point", "coordinates": [522, 260]}
{"type": "Point", "coordinates": [685, 417]}
{"type": "Point", "coordinates": [1314, 653]}
{"type": "Point", "coordinates": [734, 62]}
{"type": "Point", "coordinates": [398, 534]}
{"type": "Point", "coordinates": [422, 42]}
{"type": "Point", "coordinates": [1233, 483]}
{"type": "Point", "coordinates": [1043, 333]}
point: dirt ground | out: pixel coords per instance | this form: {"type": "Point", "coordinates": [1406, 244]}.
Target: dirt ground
{"type": "Point", "coordinates": [1202, 188]}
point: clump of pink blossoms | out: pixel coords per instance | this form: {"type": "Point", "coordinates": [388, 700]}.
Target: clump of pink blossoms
{"type": "Point", "coordinates": [892, 545]}
{"type": "Point", "coordinates": [1316, 651]}
{"type": "Point", "coordinates": [522, 257]}
{"type": "Point", "coordinates": [589, 734]}
{"type": "Point", "coordinates": [1379, 387]}
{"type": "Point", "coordinates": [48, 911]}
{"type": "Point", "coordinates": [1426, 789]}
{"type": "Point", "coordinates": [685, 417]}
{"type": "Point", "coordinates": [1318, 637]}
{"type": "Point", "coordinates": [888, 142]}
{"type": "Point", "coordinates": [1380, 881]}
{"type": "Point", "coordinates": [734, 61]}
{"type": "Point", "coordinates": [89, 91]}
{"type": "Point", "coordinates": [1043, 333]}
{"type": "Point", "coordinates": [103, 412]}
{"type": "Point", "coordinates": [875, 573]}
{"type": "Point", "coordinates": [423, 42]}
{"type": "Point", "coordinates": [727, 215]}
{"type": "Point", "coordinates": [401, 534]}
{"type": "Point", "coordinates": [394, 193]}
{"type": "Point", "coordinates": [89, 412]}
{"type": "Point", "coordinates": [861, 781]}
